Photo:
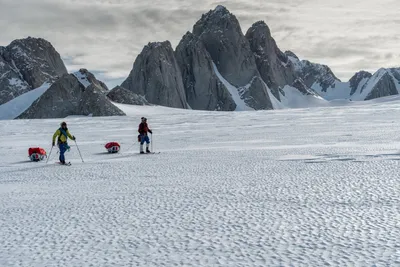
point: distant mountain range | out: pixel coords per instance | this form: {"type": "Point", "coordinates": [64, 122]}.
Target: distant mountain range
{"type": "Point", "coordinates": [214, 67]}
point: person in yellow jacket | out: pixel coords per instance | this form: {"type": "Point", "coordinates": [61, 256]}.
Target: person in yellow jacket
{"type": "Point", "coordinates": [63, 135]}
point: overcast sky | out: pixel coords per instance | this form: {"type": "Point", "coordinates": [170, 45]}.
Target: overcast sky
{"type": "Point", "coordinates": [105, 36]}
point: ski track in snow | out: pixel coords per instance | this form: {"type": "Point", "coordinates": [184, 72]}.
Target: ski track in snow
{"type": "Point", "coordinates": [304, 187]}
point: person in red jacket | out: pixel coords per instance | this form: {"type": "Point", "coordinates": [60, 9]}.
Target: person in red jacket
{"type": "Point", "coordinates": [143, 130]}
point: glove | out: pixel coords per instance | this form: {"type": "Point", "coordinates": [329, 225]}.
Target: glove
{"type": "Point", "coordinates": [53, 144]}
{"type": "Point", "coordinates": [150, 131]}
{"type": "Point", "coordinates": [73, 138]}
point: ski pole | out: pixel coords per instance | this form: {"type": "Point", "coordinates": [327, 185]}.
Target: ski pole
{"type": "Point", "coordinates": [49, 154]}
{"type": "Point", "coordinates": [78, 150]}
{"type": "Point", "coordinates": [152, 141]}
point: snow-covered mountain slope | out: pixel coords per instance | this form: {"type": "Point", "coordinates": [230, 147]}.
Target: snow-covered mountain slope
{"type": "Point", "coordinates": [384, 82]}
{"type": "Point", "coordinates": [18, 105]}
{"type": "Point", "coordinates": [267, 188]}
{"type": "Point", "coordinates": [362, 86]}
{"type": "Point", "coordinates": [293, 98]}
{"type": "Point", "coordinates": [26, 64]}
{"type": "Point", "coordinates": [79, 93]}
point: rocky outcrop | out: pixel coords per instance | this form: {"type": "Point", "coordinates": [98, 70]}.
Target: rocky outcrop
{"type": "Point", "coordinates": [69, 96]}
{"type": "Point", "coordinates": [385, 86]}
{"type": "Point", "coordinates": [11, 83]}
{"type": "Point", "coordinates": [204, 91]}
{"type": "Point", "coordinates": [302, 87]}
{"type": "Point", "coordinates": [356, 79]}
{"type": "Point", "coordinates": [255, 95]}
{"type": "Point", "coordinates": [95, 103]}
{"type": "Point", "coordinates": [313, 73]}
{"type": "Point", "coordinates": [87, 78]}
{"type": "Point", "coordinates": [36, 59]}
{"type": "Point", "coordinates": [123, 96]}
{"type": "Point", "coordinates": [220, 32]}
{"type": "Point", "coordinates": [216, 65]}
{"type": "Point", "coordinates": [26, 64]}
{"type": "Point", "coordinates": [156, 75]}
{"type": "Point", "coordinates": [274, 66]}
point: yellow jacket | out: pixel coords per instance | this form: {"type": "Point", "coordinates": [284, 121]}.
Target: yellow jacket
{"type": "Point", "coordinates": [61, 137]}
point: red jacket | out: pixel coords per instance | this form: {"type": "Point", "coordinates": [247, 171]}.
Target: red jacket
{"type": "Point", "coordinates": [144, 128]}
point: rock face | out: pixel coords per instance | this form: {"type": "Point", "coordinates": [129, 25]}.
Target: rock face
{"type": "Point", "coordinates": [94, 102]}
{"type": "Point", "coordinates": [123, 96]}
{"type": "Point", "coordinates": [156, 75]}
{"type": "Point", "coordinates": [87, 78]}
{"type": "Point", "coordinates": [256, 95]}
{"type": "Point", "coordinates": [26, 64]}
{"type": "Point", "coordinates": [313, 73]}
{"type": "Point", "coordinates": [36, 59]}
{"type": "Point", "coordinates": [11, 83]}
{"type": "Point", "coordinates": [302, 87]}
{"type": "Point", "coordinates": [356, 79]}
{"type": "Point", "coordinates": [385, 86]}
{"type": "Point", "coordinates": [220, 32]}
{"type": "Point", "coordinates": [216, 67]}
{"type": "Point", "coordinates": [274, 66]}
{"type": "Point", "coordinates": [204, 91]}
{"type": "Point", "coordinates": [69, 96]}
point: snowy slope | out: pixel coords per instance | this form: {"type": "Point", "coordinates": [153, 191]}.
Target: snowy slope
{"type": "Point", "coordinates": [265, 188]}
{"type": "Point", "coordinates": [340, 90]}
{"type": "Point", "coordinates": [293, 98]}
{"type": "Point", "coordinates": [15, 107]}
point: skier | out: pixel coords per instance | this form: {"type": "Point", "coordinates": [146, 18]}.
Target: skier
{"type": "Point", "coordinates": [143, 130]}
{"type": "Point", "coordinates": [63, 135]}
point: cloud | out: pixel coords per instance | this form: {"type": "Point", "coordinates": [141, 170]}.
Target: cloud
{"type": "Point", "coordinates": [105, 36]}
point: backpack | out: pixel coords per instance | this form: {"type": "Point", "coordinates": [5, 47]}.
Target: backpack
{"type": "Point", "coordinates": [62, 132]}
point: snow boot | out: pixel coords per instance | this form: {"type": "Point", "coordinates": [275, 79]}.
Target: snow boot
{"type": "Point", "coordinates": [141, 149]}
{"type": "Point", "coordinates": [147, 149]}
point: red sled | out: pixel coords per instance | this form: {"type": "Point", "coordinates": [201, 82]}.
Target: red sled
{"type": "Point", "coordinates": [37, 153]}
{"type": "Point", "coordinates": [112, 147]}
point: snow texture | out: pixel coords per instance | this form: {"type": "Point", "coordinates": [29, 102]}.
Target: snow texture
{"type": "Point", "coordinates": [297, 187]}
{"type": "Point", "coordinates": [234, 91]}
{"type": "Point", "coordinates": [340, 90]}
{"type": "Point", "coordinates": [293, 98]}
{"type": "Point", "coordinates": [18, 105]}
{"type": "Point", "coordinates": [82, 78]}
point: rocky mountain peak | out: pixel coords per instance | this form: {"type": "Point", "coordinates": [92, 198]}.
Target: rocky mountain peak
{"type": "Point", "coordinates": [36, 60]}
{"type": "Point", "coordinates": [291, 54]}
{"type": "Point", "coordinates": [219, 11]}
{"type": "Point", "coordinates": [273, 65]}
{"type": "Point", "coordinates": [70, 96]}
{"type": "Point", "coordinates": [223, 38]}
{"type": "Point", "coordinates": [86, 78]}
{"type": "Point", "coordinates": [260, 27]}
{"type": "Point", "coordinates": [357, 78]}
{"type": "Point", "coordinates": [204, 91]}
{"type": "Point", "coordinates": [157, 76]}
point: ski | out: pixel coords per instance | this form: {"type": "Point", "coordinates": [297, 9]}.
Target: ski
{"type": "Point", "coordinates": [66, 164]}
{"type": "Point", "coordinates": [149, 153]}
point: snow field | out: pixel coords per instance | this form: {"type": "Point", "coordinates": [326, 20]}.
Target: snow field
{"type": "Point", "coordinates": [303, 187]}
